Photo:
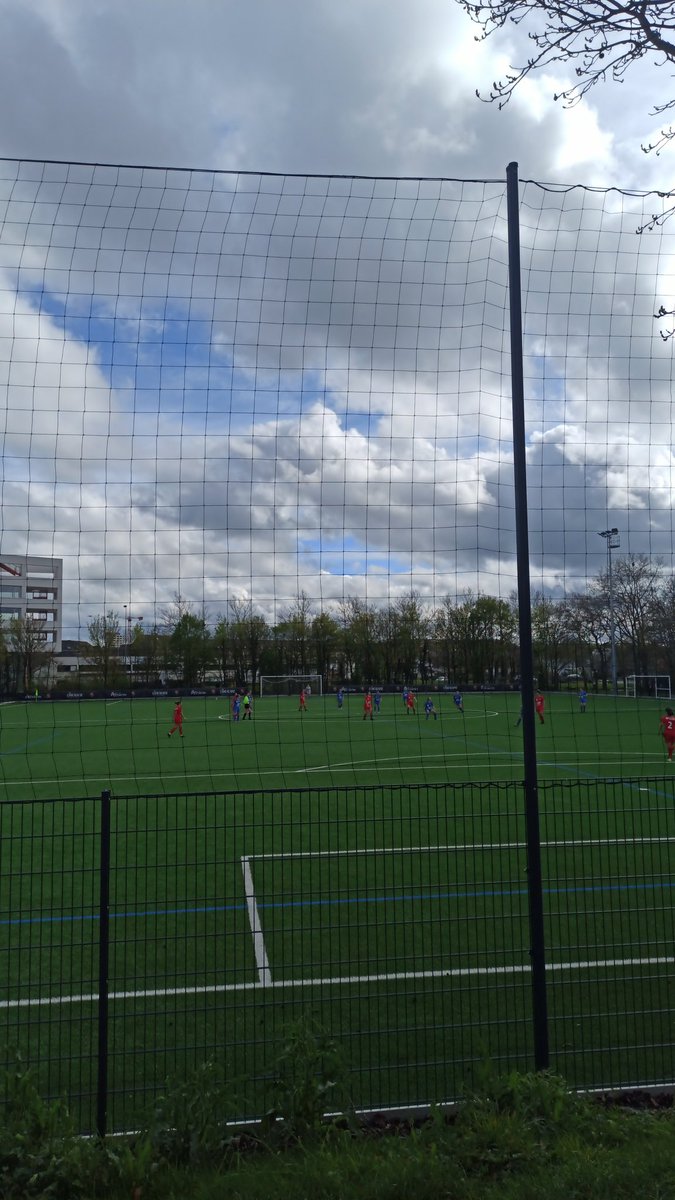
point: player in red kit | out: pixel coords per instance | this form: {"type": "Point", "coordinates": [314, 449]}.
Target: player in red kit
{"type": "Point", "coordinates": [303, 701]}
{"type": "Point", "coordinates": [667, 731]}
{"type": "Point", "coordinates": [177, 719]}
{"type": "Point", "coordinates": [539, 704]}
{"type": "Point", "coordinates": [367, 706]}
{"type": "Point", "coordinates": [410, 703]}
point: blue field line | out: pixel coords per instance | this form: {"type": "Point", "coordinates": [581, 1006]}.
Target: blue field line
{"type": "Point", "coordinates": [573, 769]}
{"type": "Point", "coordinates": [337, 902]}
{"type": "Point", "coordinates": [54, 733]}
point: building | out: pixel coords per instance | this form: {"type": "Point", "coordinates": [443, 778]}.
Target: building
{"type": "Point", "coordinates": [32, 588]}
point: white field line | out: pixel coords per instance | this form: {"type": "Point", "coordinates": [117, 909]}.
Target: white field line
{"type": "Point", "coordinates": [463, 848]}
{"type": "Point", "coordinates": [421, 761]}
{"type": "Point", "coordinates": [261, 959]}
{"type": "Point", "coordinates": [336, 981]}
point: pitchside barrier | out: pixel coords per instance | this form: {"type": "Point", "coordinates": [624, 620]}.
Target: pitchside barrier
{"type": "Point", "coordinates": [143, 936]}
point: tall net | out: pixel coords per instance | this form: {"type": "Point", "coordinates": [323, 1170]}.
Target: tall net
{"type": "Point", "coordinates": [260, 426]}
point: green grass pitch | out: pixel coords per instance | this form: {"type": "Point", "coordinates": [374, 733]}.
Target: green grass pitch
{"type": "Point", "coordinates": [372, 874]}
{"type": "Point", "coordinates": [78, 748]}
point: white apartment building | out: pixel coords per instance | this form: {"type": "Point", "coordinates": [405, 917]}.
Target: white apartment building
{"type": "Point", "coordinates": [32, 587]}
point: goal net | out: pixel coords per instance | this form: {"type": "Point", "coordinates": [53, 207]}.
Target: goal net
{"type": "Point", "coordinates": [656, 686]}
{"type": "Point", "coordinates": [290, 685]}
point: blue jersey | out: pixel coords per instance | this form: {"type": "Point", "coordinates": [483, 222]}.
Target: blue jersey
{"type": "Point", "coordinates": [458, 699]}
{"type": "Point", "coordinates": [583, 697]}
{"type": "Point", "coordinates": [428, 706]}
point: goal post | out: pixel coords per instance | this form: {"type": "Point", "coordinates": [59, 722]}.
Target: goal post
{"type": "Point", "coordinates": [290, 685]}
{"type": "Point", "coordinates": [655, 686]}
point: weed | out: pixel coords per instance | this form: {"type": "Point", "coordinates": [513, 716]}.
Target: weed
{"type": "Point", "coordinates": [309, 1075]}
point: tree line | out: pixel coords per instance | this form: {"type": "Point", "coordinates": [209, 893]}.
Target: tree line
{"type": "Point", "coordinates": [469, 641]}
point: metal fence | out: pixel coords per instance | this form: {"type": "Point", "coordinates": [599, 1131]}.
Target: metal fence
{"type": "Point", "coordinates": [143, 936]}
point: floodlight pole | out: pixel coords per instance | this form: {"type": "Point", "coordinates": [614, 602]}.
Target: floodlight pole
{"type": "Point", "coordinates": [128, 622]}
{"type": "Point", "coordinates": [613, 540]}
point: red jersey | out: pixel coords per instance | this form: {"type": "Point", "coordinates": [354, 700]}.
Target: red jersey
{"type": "Point", "coordinates": [178, 714]}
{"type": "Point", "coordinates": [539, 703]}
{"type": "Point", "coordinates": [410, 700]}
{"type": "Point", "coordinates": [668, 728]}
{"type": "Point", "coordinates": [368, 702]}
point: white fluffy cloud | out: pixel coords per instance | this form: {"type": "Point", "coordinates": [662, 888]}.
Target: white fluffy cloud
{"type": "Point", "coordinates": [219, 393]}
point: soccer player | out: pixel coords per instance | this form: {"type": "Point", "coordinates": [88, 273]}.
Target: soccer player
{"type": "Point", "coordinates": [429, 709]}
{"type": "Point", "coordinates": [667, 731]}
{"type": "Point", "coordinates": [410, 703]}
{"type": "Point", "coordinates": [340, 697]}
{"type": "Point", "coordinates": [177, 719]}
{"type": "Point", "coordinates": [367, 706]}
{"type": "Point", "coordinates": [539, 704]}
{"type": "Point", "coordinates": [303, 701]}
{"type": "Point", "coordinates": [248, 707]}
{"type": "Point", "coordinates": [236, 704]}
{"type": "Point", "coordinates": [378, 699]}
{"type": "Point", "coordinates": [583, 699]}
{"type": "Point", "coordinates": [459, 701]}
{"type": "Point", "coordinates": [405, 698]}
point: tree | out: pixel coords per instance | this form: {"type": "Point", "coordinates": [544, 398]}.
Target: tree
{"type": "Point", "coordinates": [635, 586]}
{"type": "Point", "coordinates": [600, 38]}
{"type": "Point", "coordinates": [412, 635]}
{"type": "Point", "coordinates": [190, 648]}
{"type": "Point", "coordinates": [104, 638]}
{"type": "Point", "coordinates": [452, 640]}
{"type": "Point", "coordinates": [325, 640]}
{"type": "Point", "coordinates": [587, 623]}
{"type": "Point", "coordinates": [295, 628]}
{"type": "Point", "coordinates": [220, 642]}
{"type": "Point", "coordinates": [146, 646]}
{"type": "Point", "coordinates": [5, 662]}
{"type": "Point", "coordinates": [28, 649]}
{"type": "Point", "coordinates": [248, 636]}
{"type": "Point", "coordinates": [361, 640]}
{"type": "Point", "coordinates": [549, 638]}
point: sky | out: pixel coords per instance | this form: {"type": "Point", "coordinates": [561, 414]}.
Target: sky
{"type": "Point", "coordinates": [227, 385]}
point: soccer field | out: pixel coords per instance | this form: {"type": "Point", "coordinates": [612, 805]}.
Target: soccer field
{"type": "Point", "coordinates": [371, 874]}
{"type": "Point", "coordinates": [78, 748]}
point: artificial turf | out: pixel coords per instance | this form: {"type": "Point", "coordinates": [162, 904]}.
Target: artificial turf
{"type": "Point", "coordinates": [371, 873]}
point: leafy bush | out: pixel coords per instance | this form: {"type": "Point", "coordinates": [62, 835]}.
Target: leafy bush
{"type": "Point", "coordinates": [188, 1124]}
{"type": "Point", "coordinates": [40, 1152]}
{"type": "Point", "coordinates": [309, 1077]}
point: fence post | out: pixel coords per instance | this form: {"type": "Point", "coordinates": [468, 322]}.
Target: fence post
{"type": "Point", "coordinates": [534, 881]}
{"type": "Point", "coordinates": [103, 963]}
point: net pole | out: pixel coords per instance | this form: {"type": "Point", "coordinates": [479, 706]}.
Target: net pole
{"type": "Point", "coordinates": [530, 784]}
{"type": "Point", "coordinates": [103, 967]}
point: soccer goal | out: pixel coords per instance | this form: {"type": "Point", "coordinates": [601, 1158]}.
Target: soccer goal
{"type": "Point", "coordinates": [656, 686]}
{"type": "Point", "coordinates": [290, 685]}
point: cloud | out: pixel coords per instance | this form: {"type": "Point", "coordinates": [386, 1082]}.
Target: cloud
{"type": "Point", "coordinates": [226, 384]}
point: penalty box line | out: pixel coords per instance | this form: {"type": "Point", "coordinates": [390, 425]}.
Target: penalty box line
{"type": "Point", "coordinates": [336, 981]}
{"type": "Point", "coordinates": [261, 959]}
